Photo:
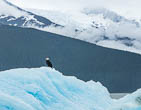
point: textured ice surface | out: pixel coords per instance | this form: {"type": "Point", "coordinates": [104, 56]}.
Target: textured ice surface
{"type": "Point", "coordinates": [47, 89]}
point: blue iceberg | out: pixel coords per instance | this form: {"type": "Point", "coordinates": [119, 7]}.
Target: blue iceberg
{"type": "Point", "coordinates": [47, 89]}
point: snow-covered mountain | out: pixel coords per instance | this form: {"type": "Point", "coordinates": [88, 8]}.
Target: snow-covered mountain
{"type": "Point", "coordinates": [98, 26]}
{"type": "Point", "coordinates": [13, 15]}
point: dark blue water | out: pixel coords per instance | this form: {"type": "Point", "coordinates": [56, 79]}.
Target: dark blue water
{"type": "Point", "coordinates": [117, 70]}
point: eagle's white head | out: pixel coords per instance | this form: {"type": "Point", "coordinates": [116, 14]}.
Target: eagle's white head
{"type": "Point", "coordinates": [47, 58]}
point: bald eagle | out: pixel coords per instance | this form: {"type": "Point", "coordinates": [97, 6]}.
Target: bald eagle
{"type": "Point", "coordinates": [48, 62]}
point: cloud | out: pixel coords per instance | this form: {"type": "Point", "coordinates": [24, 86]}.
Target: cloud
{"type": "Point", "coordinates": [129, 8]}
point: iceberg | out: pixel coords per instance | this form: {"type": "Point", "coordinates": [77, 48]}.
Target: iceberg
{"type": "Point", "coordinates": [47, 89]}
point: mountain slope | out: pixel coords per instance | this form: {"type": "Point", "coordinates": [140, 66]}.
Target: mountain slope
{"type": "Point", "coordinates": [29, 47]}
{"type": "Point", "coordinates": [13, 15]}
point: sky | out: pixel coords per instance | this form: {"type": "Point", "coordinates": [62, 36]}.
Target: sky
{"type": "Point", "coordinates": [129, 8]}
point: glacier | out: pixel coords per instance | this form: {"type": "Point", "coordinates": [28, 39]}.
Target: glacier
{"type": "Point", "coordinates": [46, 88]}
